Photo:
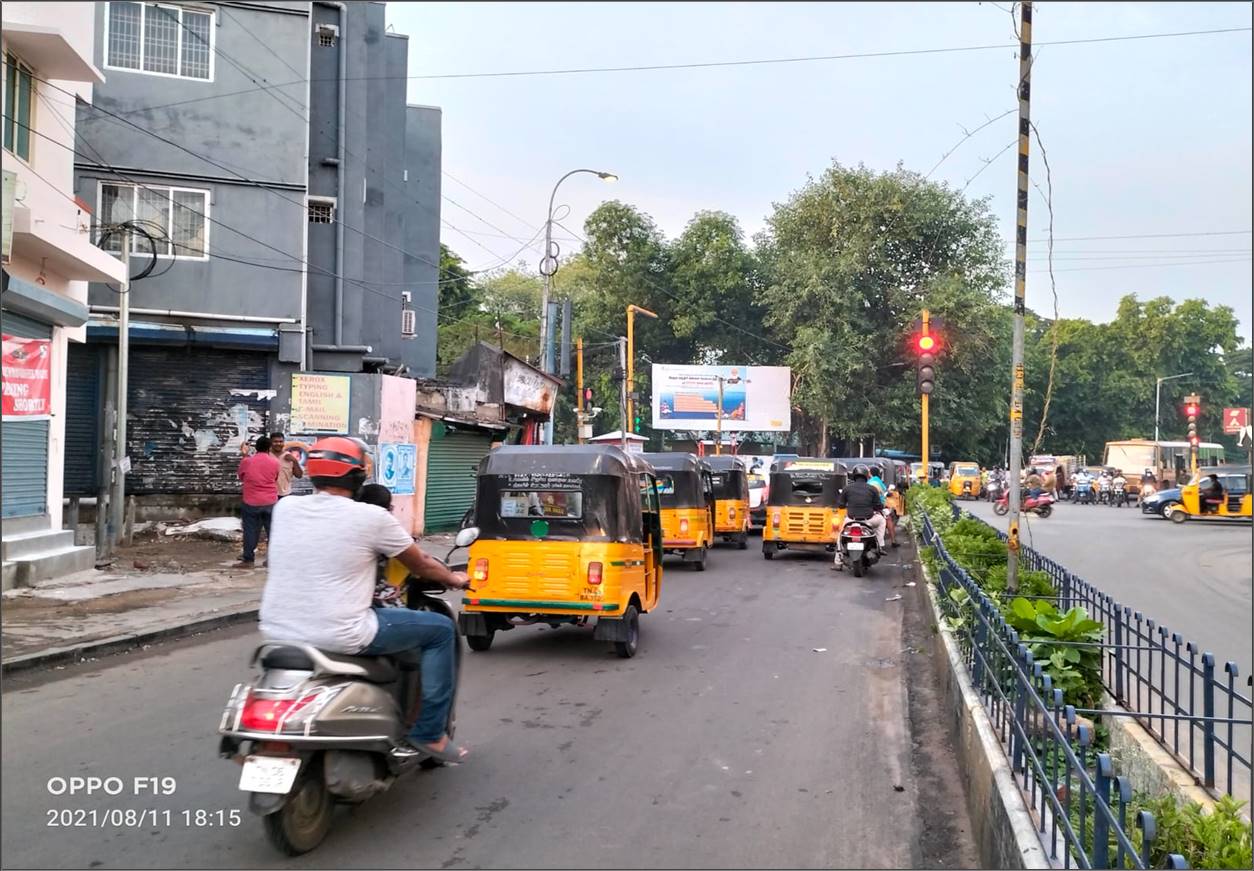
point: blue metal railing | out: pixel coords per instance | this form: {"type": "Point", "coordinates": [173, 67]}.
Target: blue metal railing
{"type": "Point", "coordinates": [1080, 806]}
{"type": "Point", "coordinates": [1170, 686]}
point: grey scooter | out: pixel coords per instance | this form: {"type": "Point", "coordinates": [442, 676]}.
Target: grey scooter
{"type": "Point", "coordinates": [319, 728]}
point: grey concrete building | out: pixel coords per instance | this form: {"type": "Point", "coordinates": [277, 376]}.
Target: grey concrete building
{"type": "Point", "coordinates": [293, 198]}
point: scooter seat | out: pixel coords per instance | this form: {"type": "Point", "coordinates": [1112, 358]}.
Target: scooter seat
{"type": "Point", "coordinates": [375, 669]}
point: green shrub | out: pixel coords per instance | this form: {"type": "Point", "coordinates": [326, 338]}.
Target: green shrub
{"type": "Point", "coordinates": [1055, 641]}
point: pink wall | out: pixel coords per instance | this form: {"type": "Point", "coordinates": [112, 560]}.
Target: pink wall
{"type": "Point", "coordinates": [396, 425]}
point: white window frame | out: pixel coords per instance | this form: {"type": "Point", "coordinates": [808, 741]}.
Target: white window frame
{"type": "Point", "coordinates": [172, 189]}
{"type": "Point", "coordinates": [11, 59]}
{"type": "Point", "coordinates": [329, 201]}
{"type": "Point", "coordinates": [143, 14]}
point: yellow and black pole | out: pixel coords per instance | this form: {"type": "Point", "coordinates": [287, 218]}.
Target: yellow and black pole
{"type": "Point", "coordinates": [1021, 259]}
{"type": "Point", "coordinates": [923, 403]}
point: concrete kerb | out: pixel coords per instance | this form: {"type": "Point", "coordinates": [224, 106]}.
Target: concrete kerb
{"type": "Point", "coordinates": [73, 653]}
{"type": "Point", "coordinates": [1005, 832]}
{"type": "Point", "coordinates": [118, 643]}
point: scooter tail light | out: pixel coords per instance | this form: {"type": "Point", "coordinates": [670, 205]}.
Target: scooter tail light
{"type": "Point", "coordinates": [594, 573]}
{"type": "Point", "coordinates": [481, 570]}
{"type": "Point", "coordinates": [260, 714]}
{"type": "Point", "coordinates": [855, 532]}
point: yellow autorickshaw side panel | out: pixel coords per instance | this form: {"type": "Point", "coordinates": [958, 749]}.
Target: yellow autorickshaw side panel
{"type": "Point", "coordinates": [802, 525]}
{"type": "Point", "coordinates": [676, 535]}
{"type": "Point", "coordinates": [541, 576]}
{"type": "Point", "coordinates": [1191, 499]}
{"type": "Point", "coordinates": [731, 515]}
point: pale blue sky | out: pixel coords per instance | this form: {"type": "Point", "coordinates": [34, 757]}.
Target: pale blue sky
{"type": "Point", "coordinates": [1144, 137]}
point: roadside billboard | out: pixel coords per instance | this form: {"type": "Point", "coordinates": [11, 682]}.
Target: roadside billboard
{"type": "Point", "coordinates": [755, 398]}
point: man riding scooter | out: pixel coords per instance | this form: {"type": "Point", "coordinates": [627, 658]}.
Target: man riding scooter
{"type": "Point", "coordinates": [322, 570]}
{"type": "Point", "coordinates": [862, 503]}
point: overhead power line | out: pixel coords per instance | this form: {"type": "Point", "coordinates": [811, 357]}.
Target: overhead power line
{"type": "Point", "coordinates": [710, 64]}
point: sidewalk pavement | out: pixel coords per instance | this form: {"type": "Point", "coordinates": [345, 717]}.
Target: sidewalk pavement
{"type": "Point", "coordinates": [93, 613]}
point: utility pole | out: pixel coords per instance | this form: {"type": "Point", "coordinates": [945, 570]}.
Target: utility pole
{"type": "Point", "coordinates": [121, 461]}
{"type": "Point", "coordinates": [718, 415]}
{"type": "Point", "coordinates": [1021, 260]}
{"type": "Point", "coordinates": [579, 388]}
{"type": "Point", "coordinates": [622, 388]}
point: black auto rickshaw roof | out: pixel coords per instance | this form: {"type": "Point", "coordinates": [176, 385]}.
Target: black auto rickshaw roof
{"type": "Point", "coordinates": [563, 459]}
{"type": "Point", "coordinates": [677, 462]}
{"type": "Point", "coordinates": [726, 463]}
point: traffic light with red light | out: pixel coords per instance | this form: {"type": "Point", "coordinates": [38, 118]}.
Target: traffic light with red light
{"type": "Point", "coordinates": [1192, 410]}
{"type": "Point", "coordinates": [926, 348]}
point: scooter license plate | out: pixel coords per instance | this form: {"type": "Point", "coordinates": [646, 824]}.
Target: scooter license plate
{"type": "Point", "coordinates": [856, 546]}
{"type": "Point", "coordinates": [271, 774]}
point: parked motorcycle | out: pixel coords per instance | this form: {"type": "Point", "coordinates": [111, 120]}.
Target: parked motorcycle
{"type": "Point", "coordinates": [1041, 506]}
{"type": "Point", "coordinates": [859, 549]}
{"type": "Point", "coordinates": [319, 728]}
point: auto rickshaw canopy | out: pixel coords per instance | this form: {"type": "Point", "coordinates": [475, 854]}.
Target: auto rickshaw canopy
{"type": "Point", "coordinates": [575, 492]}
{"type": "Point", "coordinates": [681, 479]}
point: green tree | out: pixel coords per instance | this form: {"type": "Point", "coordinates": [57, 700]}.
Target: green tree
{"type": "Point", "coordinates": [849, 262]}
{"type": "Point", "coordinates": [457, 284]}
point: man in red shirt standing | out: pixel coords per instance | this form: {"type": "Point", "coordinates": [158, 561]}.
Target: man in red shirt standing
{"type": "Point", "coordinates": [260, 476]}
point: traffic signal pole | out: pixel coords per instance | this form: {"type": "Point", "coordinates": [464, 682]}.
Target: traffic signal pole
{"type": "Point", "coordinates": [923, 411]}
{"type": "Point", "coordinates": [1021, 258]}
{"type": "Point", "coordinates": [632, 311]}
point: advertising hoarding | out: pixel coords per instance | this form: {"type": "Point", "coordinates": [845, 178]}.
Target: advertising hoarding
{"type": "Point", "coordinates": [755, 398]}
{"type": "Point", "coordinates": [27, 378]}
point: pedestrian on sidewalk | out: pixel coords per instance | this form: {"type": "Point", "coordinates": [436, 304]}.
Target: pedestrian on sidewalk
{"type": "Point", "coordinates": [289, 466]}
{"type": "Point", "coordinates": [259, 474]}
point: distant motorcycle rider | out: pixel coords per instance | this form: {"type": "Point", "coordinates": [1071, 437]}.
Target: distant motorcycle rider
{"type": "Point", "coordinates": [862, 503]}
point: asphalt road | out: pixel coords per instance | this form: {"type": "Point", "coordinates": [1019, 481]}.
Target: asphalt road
{"type": "Point", "coordinates": [1194, 578]}
{"type": "Point", "coordinates": [727, 742]}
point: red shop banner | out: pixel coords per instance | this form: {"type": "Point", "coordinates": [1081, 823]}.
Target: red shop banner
{"type": "Point", "coordinates": [27, 385]}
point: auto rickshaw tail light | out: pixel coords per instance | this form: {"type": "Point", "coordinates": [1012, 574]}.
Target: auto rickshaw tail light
{"type": "Point", "coordinates": [775, 520]}
{"type": "Point", "coordinates": [594, 574]}
{"type": "Point", "coordinates": [731, 512]}
{"type": "Point", "coordinates": [683, 526]}
{"type": "Point", "coordinates": [481, 570]}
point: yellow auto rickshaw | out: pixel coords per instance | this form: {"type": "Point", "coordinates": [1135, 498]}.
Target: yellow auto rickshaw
{"type": "Point", "coordinates": [565, 533]}
{"type": "Point", "coordinates": [1222, 492]}
{"type": "Point", "coordinates": [801, 512]}
{"type": "Point", "coordinates": [731, 499]}
{"type": "Point", "coordinates": [964, 480]}
{"type": "Point", "coordinates": [685, 485]}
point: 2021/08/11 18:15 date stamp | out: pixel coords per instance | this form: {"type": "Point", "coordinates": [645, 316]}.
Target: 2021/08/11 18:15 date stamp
{"type": "Point", "coordinates": [130, 818]}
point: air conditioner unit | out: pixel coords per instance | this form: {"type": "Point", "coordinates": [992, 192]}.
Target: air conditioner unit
{"type": "Point", "coordinates": [409, 323]}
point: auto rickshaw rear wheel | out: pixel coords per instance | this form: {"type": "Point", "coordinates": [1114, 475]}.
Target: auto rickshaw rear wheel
{"type": "Point", "coordinates": [631, 621]}
{"type": "Point", "coordinates": [742, 541]}
{"type": "Point", "coordinates": [699, 563]}
{"type": "Point", "coordinates": [481, 642]}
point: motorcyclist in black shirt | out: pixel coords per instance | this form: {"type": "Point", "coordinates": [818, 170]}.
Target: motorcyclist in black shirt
{"type": "Point", "coordinates": [863, 503]}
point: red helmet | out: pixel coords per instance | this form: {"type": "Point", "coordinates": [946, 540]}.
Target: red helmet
{"type": "Point", "coordinates": [336, 457]}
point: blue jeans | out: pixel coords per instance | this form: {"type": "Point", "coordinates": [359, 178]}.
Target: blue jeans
{"type": "Point", "coordinates": [254, 518]}
{"type": "Point", "coordinates": [434, 637]}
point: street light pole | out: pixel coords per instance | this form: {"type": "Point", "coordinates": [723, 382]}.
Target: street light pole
{"type": "Point", "coordinates": [548, 268]}
{"type": "Point", "coordinates": [632, 311]}
{"type": "Point", "coordinates": [718, 415]}
{"type": "Point", "coordinates": [1158, 392]}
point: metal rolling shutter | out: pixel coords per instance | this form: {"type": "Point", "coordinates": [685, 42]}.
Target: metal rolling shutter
{"type": "Point", "coordinates": [24, 443]}
{"type": "Point", "coordinates": [451, 463]}
{"type": "Point", "coordinates": [184, 406]}
{"type": "Point", "coordinates": [82, 420]}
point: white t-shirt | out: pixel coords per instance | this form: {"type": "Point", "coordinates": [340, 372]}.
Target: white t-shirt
{"type": "Point", "coordinates": [322, 563]}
